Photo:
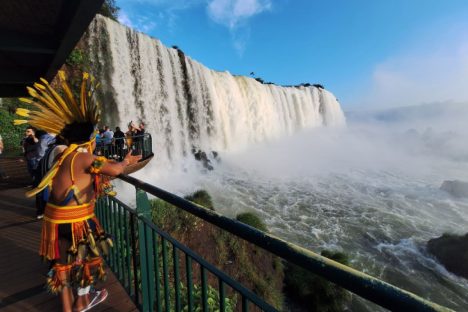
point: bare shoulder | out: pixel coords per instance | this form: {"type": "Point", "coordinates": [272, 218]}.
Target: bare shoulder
{"type": "Point", "coordinates": [85, 159]}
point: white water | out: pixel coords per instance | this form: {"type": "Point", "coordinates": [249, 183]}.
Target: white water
{"type": "Point", "coordinates": [362, 190]}
{"type": "Point", "coordinates": [186, 105]}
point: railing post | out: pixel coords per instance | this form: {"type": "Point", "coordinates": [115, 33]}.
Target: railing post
{"type": "Point", "coordinates": [145, 238]}
{"type": "Point", "coordinates": [143, 204]}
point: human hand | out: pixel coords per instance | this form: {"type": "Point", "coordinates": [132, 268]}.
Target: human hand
{"type": "Point", "coordinates": [131, 159]}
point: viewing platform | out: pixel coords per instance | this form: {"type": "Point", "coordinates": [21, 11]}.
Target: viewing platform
{"type": "Point", "coordinates": [149, 269]}
{"type": "Point", "coordinates": [22, 271]}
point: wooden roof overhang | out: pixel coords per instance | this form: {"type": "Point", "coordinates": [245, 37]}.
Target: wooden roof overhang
{"type": "Point", "coordinates": [36, 37]}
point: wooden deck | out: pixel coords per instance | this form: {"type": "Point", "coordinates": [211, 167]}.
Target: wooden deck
{"type": "Point", "coordinates": [22, 274]}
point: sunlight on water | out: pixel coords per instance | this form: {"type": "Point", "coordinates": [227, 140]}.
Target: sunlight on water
{"type": "Point", "coordinates": [370, 190]}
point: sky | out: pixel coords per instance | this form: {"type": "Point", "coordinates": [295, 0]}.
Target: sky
{"type": "Point", "coordinates": [369, 53]}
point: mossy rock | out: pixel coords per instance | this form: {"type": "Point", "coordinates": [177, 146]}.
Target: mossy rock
{"type": "Point", "coordinates": [452, 252]}
{"type": "Point", "coordinates": [253, 267]}
{"type": "Point", "coordinates": [202, 198]}
{"type": "Point", "coordinates": [171, 218]}
{"type": "Point", "coordinates": [310, 292]}
{"type": "Point", "coordinates": [253, 220]}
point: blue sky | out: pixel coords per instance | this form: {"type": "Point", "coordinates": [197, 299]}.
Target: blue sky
{"type": "Point", "coordinates": [369, 53]}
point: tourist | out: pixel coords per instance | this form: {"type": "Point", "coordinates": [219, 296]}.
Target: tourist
{"type": "Point", "coordinates": [119, 142]}
{"type": "Point", "coordinates": [31, 146]}
{"type": "Point", "coordinates": [3, 175]}
{"type": "Point", "coordinates": [142, 128]}
{"type": "Point", "coordinates": [130, 134]}
{"type": "Point", "coordinates": [138, 133]}
{"type": "Point", "coordinates": [119, 137]}
{"type": "Point", "coordinates": [108, 135]}
{"type": "Point", "coordinates": [72, 237]}
{"type": "Point", "coordinates": [45, 140]}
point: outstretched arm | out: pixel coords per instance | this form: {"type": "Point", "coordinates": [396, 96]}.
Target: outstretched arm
{"type": "Point", "coordinates": [113, 169]}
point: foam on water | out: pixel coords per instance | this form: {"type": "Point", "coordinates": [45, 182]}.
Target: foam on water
{"type": "Point", "coordinates": [382, 214]}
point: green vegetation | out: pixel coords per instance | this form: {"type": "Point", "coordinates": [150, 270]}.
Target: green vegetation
{"type": "Point", "coordinates": [170, 218]}
{"type": "Point", "coordinates": [173, 219]}
{"type": "Point", "coordinates": [266, 275]}
{"type": "Point", "coordinates": [213, 300]}
{"type": "Point", "coordinates": [248, 264]}
{"type": "Point", "coordinates": [77, 58]}
{"type": "Point", "coordinates": [11, 134]}
{"type": "Point", "coordinates": [253, 220]}
{"type": "Point", "coordinates": [313, 293]}
{"type": "Point", "coordinates": [201, 197]}
{"type": "Point", "coordinates": [110, 9]}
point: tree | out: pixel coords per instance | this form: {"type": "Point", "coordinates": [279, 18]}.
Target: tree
{"type": "Point", "coordinates": [110, 9]}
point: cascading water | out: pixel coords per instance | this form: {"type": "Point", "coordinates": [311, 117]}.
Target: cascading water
{"type": "Point", "coordinates": [186, 105]}
{"type": "Point", "coordinates": [367, 190]}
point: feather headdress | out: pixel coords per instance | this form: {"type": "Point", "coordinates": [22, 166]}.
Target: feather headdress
{"type": "Point", "coordinates": [53, 111]}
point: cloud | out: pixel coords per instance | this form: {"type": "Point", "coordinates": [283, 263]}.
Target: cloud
{"type": "Point", "coordinates": [124, 19]}
{"type": "Point", "coordinates": [234, 14]}
{"type": "Point", "coordinates": [165, 4]}
{"type": "Point", "coordinates": [434, 72]}
{"type": "Point", "coordinates": [231, 13]}
{"type": "Point", "coordinates": [146, 15]}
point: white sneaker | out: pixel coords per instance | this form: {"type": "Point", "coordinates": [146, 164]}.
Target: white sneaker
{"type": "Point", "coordinates": [99, 296]}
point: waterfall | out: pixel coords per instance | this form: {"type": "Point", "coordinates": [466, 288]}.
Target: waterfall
{"type": "Point", "coordinates": [185, 104]}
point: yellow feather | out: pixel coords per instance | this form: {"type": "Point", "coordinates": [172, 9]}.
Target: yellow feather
{"type": "Point", "coordinates": [83, 94]}
{"type": "Point", "coordinates": [38, 86]}
{"type": "Point", "coordinates": [54, 111]}
{"type": "Point", "coordinates": [18, 122]}
{"type": "Point", "coordinates": [61, 74]}
{"type": "Point", "coordinates": [72, 102]}
{"type": "Point", "coordinates": [61, 113]}
{"type": "Point", "coordinates": [32, 92]}
{"type": "Point", "coordinates": [22, 112]}
{"type": "Point", "coordinates": [25, 100]}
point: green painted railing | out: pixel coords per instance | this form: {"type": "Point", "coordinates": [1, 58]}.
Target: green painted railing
{"type": "Point", "coordinates": [161, 274]}
{"type": "Point", "coordinates": [158, 272]}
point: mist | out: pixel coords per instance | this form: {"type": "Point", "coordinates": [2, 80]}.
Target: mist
{"type": "Point", "coordinates": [425, 142]}
{"type": "Point", "coordinates": [370, 189]}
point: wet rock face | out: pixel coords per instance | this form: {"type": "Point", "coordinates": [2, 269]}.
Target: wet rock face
{"type": "Point", "coordinates": [455, 188]}
{"type": "Point", "coordinates": [452, 252]}
{"type": "Point", "coordinates": [202, 157]}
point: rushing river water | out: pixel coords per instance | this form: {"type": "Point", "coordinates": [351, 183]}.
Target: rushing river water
{"type": "Point", "coordinates": [345, 190]}
{"type": "Point", "coordinates": [368, 190]}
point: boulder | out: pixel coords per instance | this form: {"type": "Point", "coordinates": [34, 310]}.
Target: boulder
{"type": "Point", "coordinates": [452, 252]}
{"type": "Point", "coordinates": [455, 188]}
{"type": "Point", "coordinates": [202, 157]}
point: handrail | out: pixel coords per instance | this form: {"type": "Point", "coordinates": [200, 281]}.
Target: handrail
{"type": "Point", "coordinates": [137, 264]}
{"type": "Point", "coordinates": [364, 285]}
{"type": "Point", "coordinates": [226, 278]}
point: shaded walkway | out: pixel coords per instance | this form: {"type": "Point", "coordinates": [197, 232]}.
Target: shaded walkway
{"type": "Point", "coordinates": [22, 274]}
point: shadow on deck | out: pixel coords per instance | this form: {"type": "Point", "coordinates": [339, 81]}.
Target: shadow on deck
{"type": "Point", "coordinates": [22, 273]}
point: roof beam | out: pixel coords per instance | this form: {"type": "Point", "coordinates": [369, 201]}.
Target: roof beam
{"type": "Point", "coordinates": [24, 76]}
{"type": "Point", "coordinates": [12, 90]}
{"type": "Point", "coordinates": [14, 42]}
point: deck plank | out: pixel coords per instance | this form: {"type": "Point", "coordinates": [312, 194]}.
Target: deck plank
{"type": "Point", "coordinates": [21, 270]}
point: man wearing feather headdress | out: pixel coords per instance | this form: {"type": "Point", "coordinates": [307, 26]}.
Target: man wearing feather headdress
{"type": "Point", "coordinates": [72, 237]}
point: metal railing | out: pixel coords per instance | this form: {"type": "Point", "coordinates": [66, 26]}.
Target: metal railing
{"type": "Point", "coordinates": [143, 253]}
{"type": "Point", "coordinates": [158, 272]}
{"type": "Point", "coordinates": [119, 147]}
